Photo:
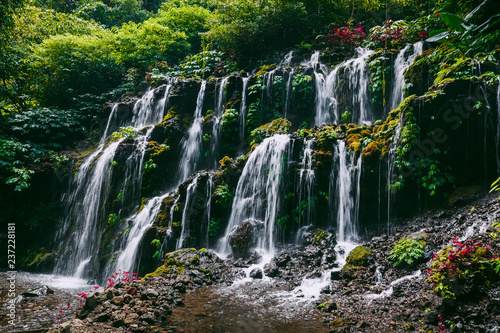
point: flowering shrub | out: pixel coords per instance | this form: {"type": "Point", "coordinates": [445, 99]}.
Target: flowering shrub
{"type": "Point", "coordinates": [117, 277]}
{"type": "Point", "coordinates": [460, 261]}
{"type": "Point", "coordinates": [347, 37]}
{"type": "Point", "coordinates": [391, 33]}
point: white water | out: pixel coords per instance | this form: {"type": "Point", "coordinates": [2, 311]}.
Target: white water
{"type": "Point", "coordinates": [257, 194]}
{"type": "Point", "coordinates": [311, 288]}
{"type": "Point", "coordinates": [347, 192]}
{"type": "Point", "coordinates": [356, 74]}
{"type": "Point", "coordinates": [83, 210]}
{"type": "Point", "coordinates": [388, 292]}
{"type": "Point", "coordinates": [220, 95]}
{"type": "Point", "coordinates": [85, 206]}
{"type": "Point", "coordinates": [391, 170]}
{"type": "Point", "coordinates": [401, 64]}
{"type": "Point", "coordinates": [242, 115]}
{"type": "Point", "coordinates": [140, 223]}
{"type": "Point", "coordinates": [191, 143]}
{"type": "Point", "coordinates": [188, 210]}
{"type": "Point", "coordinates": [306, 183]}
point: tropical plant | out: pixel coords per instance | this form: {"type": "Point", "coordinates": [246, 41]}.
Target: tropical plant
{"type": "Point", "coordinates": [406, 250]}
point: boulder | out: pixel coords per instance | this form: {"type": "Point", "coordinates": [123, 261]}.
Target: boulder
{"type": "Point", "coordinates": [243, 238]}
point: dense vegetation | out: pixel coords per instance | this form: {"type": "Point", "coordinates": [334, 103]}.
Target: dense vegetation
{"type": "Point", "coordinates": [62, 60]}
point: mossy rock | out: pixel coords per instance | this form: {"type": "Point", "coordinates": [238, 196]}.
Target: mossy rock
{"type": "Point", "coordinates": [340, 325]}
{"type": "Point", "coordinates": [360, 256]}
{"type": "Point", "coordinates": [353, 142]}
{"type": "Point", "coordinates": [463, 194]}
{"type": "Point", "coordinates": [277, 126]}
{"type": "Point", "coordinates": [371, 150]}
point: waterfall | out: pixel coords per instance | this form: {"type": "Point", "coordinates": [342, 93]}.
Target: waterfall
{"type": "Point", "coordinates": [81, 231]}
{"type": "Point", "coordinates": [196, 202]}
{"type": "Point", "coordinates": [401, 64]}
{"type": "Point", "coordinates": [358, 78]}
{"type": "Point", "coordinates": [83, 208]}
{"type": "Point", "coordinates": [208, 207]}
{"type": "Point", "coordinates": [306, 184]}
{"type": "Point", "coordinates": [391, 169]}
{"type": "Point", "coordinates": [347, 192]}
{"type": "Point", "coordinates": [257, 194]}
{"type": "Point", "coordinates": [220, 101]}
{"type": "Point", "coordinates": [191, 143]}
{"type": "Point", "coordinates": [140, 222]}
{"type": "Point", "coordinates": [188, 210]}
{"type": "Point", "coordinates": [356, 73]}
{"type": "Point", "coordinates": [242, 116]}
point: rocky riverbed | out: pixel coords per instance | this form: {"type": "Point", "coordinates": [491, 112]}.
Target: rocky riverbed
{"type": "Point", "coordinates": [303, 288]}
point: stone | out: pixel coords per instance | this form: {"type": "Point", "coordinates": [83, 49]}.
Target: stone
{"type": "Point", "coordinates": [243, 238]}
{"type": "Point", "coordinates": [91, 303]}
{"type": "Point", "coordinates": [256, 273]}
{"type": "Point", "coordinates": [117, 300]}
{"type": "Point", "coordinates": [152, 293]}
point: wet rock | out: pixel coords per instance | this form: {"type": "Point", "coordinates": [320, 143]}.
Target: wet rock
{"type": "Point", "coordinates": [243, 238]}
{"type": "Point", "coordinates": [256, 273]}
{"type": "Point", "coordinates": [271, 269]}
{"type": "Point", "coordinates": [335, 275]}
{"type": "Point", "coordinates": [153, 293]}
{"type": "Point", "coordinates": [91, 303]}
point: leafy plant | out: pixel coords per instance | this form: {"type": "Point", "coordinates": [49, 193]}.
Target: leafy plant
{"type": "Point", "coordinates": [112, 218]}
{"type": "Point", "coordinates": [462, 260]}
{"type": "Point", "coordinates": [150, 165]}
{"type": "Point", "coordinates": [406, 251]}
{"type": "Point", "coordinates": [223, 195]}
{"type": "Point", "coordinates": [213, 227]}
{"type": "Point", "coordinates": [125, 132]}
{"type": "Point", "coordinates": [390, 34]}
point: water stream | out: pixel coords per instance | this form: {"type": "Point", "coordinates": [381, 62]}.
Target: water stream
{"type": "Point", "coordinates": [401, 64]}
{"type": "Point", "coordinates": [257, 195]}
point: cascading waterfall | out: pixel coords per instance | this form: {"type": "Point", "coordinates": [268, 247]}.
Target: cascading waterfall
{"type": "Point", "coordinates": [401, 64]}
{"type": "Point", "coordinates": [208, 207]}
{"type": "Point", "coordinates": [188, 210]}
{"type": "Point", "coordinates": [242, 115]}
{"type": "Point", "coordinates": [191, 143]}
{"type": "Point", "coordinates": [89, 194]}
{"type": "Point", "coordinates": [84, 206]}
{"type": "Point", "coordinates": [307, 180]}
{"type": "Point", "coordinates": [391, 169]}
{"type": "Point", "coordinates": [357, 76]}
{"type": "Point", "coordinates": [220, 95]}
{"type": "Point", "coordinates": [140, 222]}
{"type": "Point", "coordinates": [257, 194]}
{"type": "Point", "coordinates": [196, 201]}
{"type": "Point", "coordinates": [347, 192]}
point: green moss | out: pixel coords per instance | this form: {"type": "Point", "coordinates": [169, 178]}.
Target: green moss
{"type": "Point", "coordinates": [277, 126]}
{"type": "Point", "coordinates": [319, 235]}
{"type": "Point", "coordinates": [371, 150]}
{"type": "Point", "coordinates": [358, 257]}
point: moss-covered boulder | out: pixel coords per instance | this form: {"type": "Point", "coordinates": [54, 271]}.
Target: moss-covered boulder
{"type": "Point", "coordinates": [202, 266]}
{"type": "Point", "coordinates": [356, 262]}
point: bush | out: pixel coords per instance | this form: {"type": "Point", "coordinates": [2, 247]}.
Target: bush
{"type": "Point", "coordinates": [406, 251]}
{"type": "Point", "coordinates": [48, 127]}
{"type": "Point", "coordinates": [391, 34]}
{"type": "Point", "coordinates": [461, 261]}
{"type": "Point", "coordinates": [70, 65]}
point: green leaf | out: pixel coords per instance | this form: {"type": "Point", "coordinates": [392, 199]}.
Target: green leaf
{"type": "Point", "coordinates": [452, 21]}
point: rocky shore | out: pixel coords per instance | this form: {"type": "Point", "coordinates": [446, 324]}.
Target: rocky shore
{"type": "Point", "coordinates": [368, 294]}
